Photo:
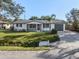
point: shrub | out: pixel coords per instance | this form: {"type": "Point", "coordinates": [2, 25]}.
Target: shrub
{"type": "Point", "coordinates": [11, 28]}
{"type": "Point", "coordinates": [53, 31]}
{"type": "Point", "coordinates": [31, 43]}
{"type": "Point", "coordinates": [23, 30]}
{"type": "Point", "coordinates": [77, 30]}
{"type": "Point", "coordinates": [54, 39]}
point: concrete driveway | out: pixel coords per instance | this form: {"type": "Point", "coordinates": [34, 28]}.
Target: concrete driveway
{"type": "Point", "coordinates": [69, 39]}
{"type": "Point", "coordinates": [69, 36]}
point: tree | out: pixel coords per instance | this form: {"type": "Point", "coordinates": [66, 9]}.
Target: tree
{"type": "Point", "coordinates": [53, 16]}
{"type": "Point", "coordinates": [49, 18]}
{"type": "Point", "coordinates": [9, 8]}
{"type": "Point", "coordinates": [34, 18]}
{"type": "Point", "coordinates": [45, 17]}
{"type": "Point", "coordinates": [73, 18]}
{"type": "Point", "coordinates": [16, 11]}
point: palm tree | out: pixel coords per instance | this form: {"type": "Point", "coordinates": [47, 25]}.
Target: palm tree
{"type": "Point", "coordinates": [53, 16]}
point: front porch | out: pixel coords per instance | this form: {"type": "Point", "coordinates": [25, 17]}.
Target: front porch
{"type": "Point", "coordinates": [34, 27]}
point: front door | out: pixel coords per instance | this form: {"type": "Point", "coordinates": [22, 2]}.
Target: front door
{"type": "Point", "coordinates": [38, 27]}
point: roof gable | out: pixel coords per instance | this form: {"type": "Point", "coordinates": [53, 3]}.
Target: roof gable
{"type": "Point", "coordinates": [34, 22]}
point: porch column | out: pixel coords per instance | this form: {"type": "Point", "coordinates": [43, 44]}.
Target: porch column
{"type": "Point", "coordinates": [50, 27]}
{"type": "Point", "coordinates": [63, 27]}
{"type": "Point", "coordinates": [41, 27]}
{"type": "Point", "coordinates": [36, 27]}
{"type": "Point", "coordinates": [26, 27]}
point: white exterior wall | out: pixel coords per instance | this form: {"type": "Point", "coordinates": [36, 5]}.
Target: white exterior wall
{"type": "Point", "coordinates": [46, 29]}
{"type": "Point", "coordinates": [24, 27]}
{"type": "Point", "coordinates": [63, 27]}
{"type": "Point", "coordinates": [41, 27]}
{"type": "Point", "coordinates": [52, 26]}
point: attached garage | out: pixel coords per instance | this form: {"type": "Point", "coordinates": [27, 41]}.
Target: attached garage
{"type": "Point", "coordinates": [59, 27]}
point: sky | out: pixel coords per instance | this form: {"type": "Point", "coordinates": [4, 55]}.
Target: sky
{"type": "Point", "coordinates": [47, 7]}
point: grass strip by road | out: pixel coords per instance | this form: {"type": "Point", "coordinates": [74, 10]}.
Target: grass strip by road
{"type": "Point", "coordinates": [15, 48]}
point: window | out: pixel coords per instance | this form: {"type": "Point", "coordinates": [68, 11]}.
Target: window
{"type": "Point", "coordinates": [32, 26]}
{"type": "Point", "coordinates": [45, 25]}
{"type": "Point", "coordinates": [18, 25]}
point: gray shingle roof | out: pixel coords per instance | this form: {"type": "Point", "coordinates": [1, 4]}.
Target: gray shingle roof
{"type": "Point", "coordinates": [3, 22]}
{"type": "Point", "coordinates": [41, 21]}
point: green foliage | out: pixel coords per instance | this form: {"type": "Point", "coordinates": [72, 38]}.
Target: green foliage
{"type": "Point", "coordinates": [77, 30]}
{"type": "Point", "coordinates": [10, 9]}
{"type": "Point", "coordinates": [16, 10]}
{"type": "Point", "coordinates": [53, 31]}
{"type": "Point", "coordinates": [46, 18]}
{"type": "Point", "coordinates": [52, 17]}
{"type": "Point", "coordinates": [75, 24]}
{"type": "Point", "coordinates": [31, 43]}
{"type": "Point", "coordinates": [73, 18]}
{"type": "Point", "coordinates": [55, 38]}
{"type": "Point", "coordinates": [15, 48]}
{"type": "Point", "coordinates": [26, 39]}
{"type": "Point", "coordinates": [34, 18]}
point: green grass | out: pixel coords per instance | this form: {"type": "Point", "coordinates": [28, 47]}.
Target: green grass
{"type": "Point", "coordinates": [3, 34]}
{"type": "Point", "coordinates": [15, 48]}
{"type": "Point", "coordinates": [22, 37]}
{"type": "Point", "coordinates": [25, 39]}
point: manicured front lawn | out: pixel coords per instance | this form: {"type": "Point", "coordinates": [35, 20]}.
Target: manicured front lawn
{"type": "Point", "coordinates": [15, 48]}
{"type": "Point", "coordinates": [25, 39]}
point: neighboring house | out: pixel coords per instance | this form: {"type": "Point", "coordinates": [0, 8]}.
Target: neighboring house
{"type": "Point", "coordinates": [7, 26]}
{"type": "Point", "coordinates": [39, 25]}
{"type": "Point", "coordinates": [4, 25]}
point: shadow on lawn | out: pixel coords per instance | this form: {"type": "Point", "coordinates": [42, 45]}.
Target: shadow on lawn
{"type": "Point", "coordinates": [10, 37]}
{"type": "Point", "coordinates": [14, 32]}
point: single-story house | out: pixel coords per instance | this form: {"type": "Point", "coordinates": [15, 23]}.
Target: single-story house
{"type": "Point", "coordinates": [39, 25]}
